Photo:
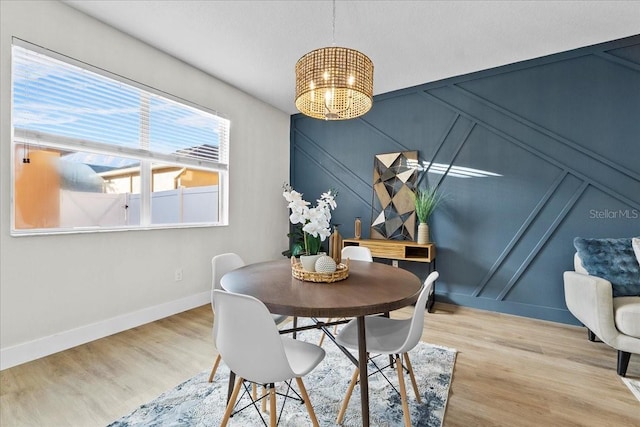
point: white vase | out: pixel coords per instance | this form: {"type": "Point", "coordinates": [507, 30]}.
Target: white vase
{"type": "Point", "coordinates": [423, 233]}
{"type": "Point", "coordinates": [309, 261]}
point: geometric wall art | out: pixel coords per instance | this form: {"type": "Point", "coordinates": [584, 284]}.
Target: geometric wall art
{"type": "Point", "coordinates": [393, 211]}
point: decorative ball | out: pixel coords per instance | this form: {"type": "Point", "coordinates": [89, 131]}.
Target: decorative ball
{"type": "Point", "coordinates": [325, 264]}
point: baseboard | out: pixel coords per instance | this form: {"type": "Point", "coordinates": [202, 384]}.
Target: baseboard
{"type": "Point", "coordinates": [46, 346]}
{"type": "Point", "coordinates": [551, 314]}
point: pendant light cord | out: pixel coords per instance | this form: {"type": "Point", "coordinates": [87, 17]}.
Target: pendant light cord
{"type": "Point", "coordinates": [333, 30]}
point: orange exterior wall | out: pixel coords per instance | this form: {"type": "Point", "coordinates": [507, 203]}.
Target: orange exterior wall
{"type": "Point", "coordinates": [37, 190]}
{"type": "Point", "coordinates": [198, 178]}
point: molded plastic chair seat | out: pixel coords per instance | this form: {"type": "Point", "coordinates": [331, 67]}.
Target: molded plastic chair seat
{"type": "Point", "coordinates": [357, 253]}
{"type": "Point", "coordinates": [279, 318]}
{"type": "Point", "coordinates": [383, 335]}
{"type": "Point", "coordinates": [302, 356]}
{"type": "Point", "coordinates": [254, 350]}
{"type": "Point", "coordinates": [221, 265]}
{"type": "Point", "coordinates": [393, 337]}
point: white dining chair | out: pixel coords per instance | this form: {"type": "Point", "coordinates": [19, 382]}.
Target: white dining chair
{"type": "Point", "coordinates": [354, 253]}
{"type": "Point", "coordinates": [255, 351]}
{"type": "Point", "coordinates": [357, 253]}
{"type": "Point", "coordinates": [221, 265]}
{"type": "Point", "coordinates": [390, 337]}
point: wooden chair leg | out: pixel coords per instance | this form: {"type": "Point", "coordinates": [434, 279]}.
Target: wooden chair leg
{"type": "Point", "coordinates": [407, 363]}
{"type": "Point", "coordinates": [403, 392]}
{"type": "Point", "coordinates": [272, 405]}
{"type": "Point", "coordinates": [321, 339]}
{"type": "Point", "coordinates": [307, 402]}
{"type": "Point", "coordinates": [232, 402]}
{"type": "Point", "coordinates": [215, 368]}
{"type": "Point", "coordinates": [347, 397]}
{"type": "Point", "coordinates": [264, 400]}
{"type": "Point", "coordinates": [323, 334]}
{"type": "Point", "coordinates": [254, 391]}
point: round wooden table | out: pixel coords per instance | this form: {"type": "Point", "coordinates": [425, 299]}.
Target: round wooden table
{"type": "Point", "coordinates": [371, 288]}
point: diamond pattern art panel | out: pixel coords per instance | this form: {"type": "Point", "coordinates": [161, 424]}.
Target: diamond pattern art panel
{"type": "Point", "coordinates": [394, 180]}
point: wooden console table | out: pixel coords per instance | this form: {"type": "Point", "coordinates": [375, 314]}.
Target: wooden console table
{"type": "Point", "coordinates": [400, 250]}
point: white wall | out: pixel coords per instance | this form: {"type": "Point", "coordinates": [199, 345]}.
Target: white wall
{"type": "Point", "coordinates": [59, 291]}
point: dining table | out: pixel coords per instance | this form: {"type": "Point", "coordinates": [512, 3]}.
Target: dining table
{"type": "Point", "coordinates": [370, 288]}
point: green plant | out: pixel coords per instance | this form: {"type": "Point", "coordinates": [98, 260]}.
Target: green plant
{"type": "Point", "coordinates": [296, 242]}
{"type": "Point", "coordinates": [426, 201]}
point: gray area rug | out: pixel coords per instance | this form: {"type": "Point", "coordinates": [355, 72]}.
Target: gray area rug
{"type": "Point", "coordinates": [197, 402]}
{"type": "Point", "coordinates": [634, 386]}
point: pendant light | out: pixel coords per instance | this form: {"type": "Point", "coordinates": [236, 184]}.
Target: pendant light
{"type": "Point", "coordinates": [334, 83]}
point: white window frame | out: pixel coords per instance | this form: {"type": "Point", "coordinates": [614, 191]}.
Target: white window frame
{"type": "Point", "coordinates": [146, 158]}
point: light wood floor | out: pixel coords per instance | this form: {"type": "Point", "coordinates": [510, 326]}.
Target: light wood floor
{"type": "Point", "coordinates": [510, 371]}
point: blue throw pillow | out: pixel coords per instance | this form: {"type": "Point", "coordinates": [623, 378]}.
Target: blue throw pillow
{"type": "Point", "coordinates": [613, 260]}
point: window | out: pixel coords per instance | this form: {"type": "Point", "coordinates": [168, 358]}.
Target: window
{"type": "Point", "coordinates": [94, 151]}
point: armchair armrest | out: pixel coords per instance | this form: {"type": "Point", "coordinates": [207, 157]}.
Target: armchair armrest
{"type": "Point", "coordinates": [590, 300]}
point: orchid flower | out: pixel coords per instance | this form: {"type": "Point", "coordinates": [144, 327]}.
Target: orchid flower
{"type": "Point", "coordinates": [315, 220]}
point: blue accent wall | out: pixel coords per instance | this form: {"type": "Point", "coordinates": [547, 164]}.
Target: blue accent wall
{"type": "Point", "coordinates": [561, 132]}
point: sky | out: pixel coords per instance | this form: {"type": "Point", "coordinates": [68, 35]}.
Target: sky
{"type": "Point", "coordinates": [58, 98]}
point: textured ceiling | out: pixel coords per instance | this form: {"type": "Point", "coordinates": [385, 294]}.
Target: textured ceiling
{"type": "Point", "coordinates": [254, 45]}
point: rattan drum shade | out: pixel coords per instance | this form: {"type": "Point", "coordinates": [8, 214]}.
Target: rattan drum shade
{"type": "Point", "coordinates": [334, 83]}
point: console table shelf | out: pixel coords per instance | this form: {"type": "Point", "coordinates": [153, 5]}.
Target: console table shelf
{"type": "Point", "coordinates": [402, 250]}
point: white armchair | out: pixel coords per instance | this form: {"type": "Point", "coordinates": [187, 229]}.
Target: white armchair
{"type": "Point", "coordinates": [616, 321]}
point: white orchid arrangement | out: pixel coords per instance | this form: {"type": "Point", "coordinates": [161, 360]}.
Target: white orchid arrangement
{"type": "Point", "coordinates": [315, 220]}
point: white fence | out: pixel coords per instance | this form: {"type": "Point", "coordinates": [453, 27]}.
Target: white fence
{"type": "Point", "coordinates": [184, 205]}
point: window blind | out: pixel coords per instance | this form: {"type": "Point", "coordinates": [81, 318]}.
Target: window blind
{"type": "Point", "coordinates": [65, 103]}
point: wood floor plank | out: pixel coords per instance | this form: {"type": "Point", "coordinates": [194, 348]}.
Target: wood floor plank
{"type": "Point", "coordinates": [514, 371]}
{"type": "Point", "coordinates": [510, 371]}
